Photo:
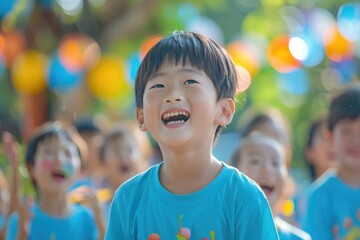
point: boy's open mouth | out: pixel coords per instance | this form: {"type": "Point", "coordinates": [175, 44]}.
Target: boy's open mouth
{"type": "Point", "coordinates": [58, 174]}
{"type": "Point", "coordinates": [124, 169]}
{"type": "Point", "coordinates": [176, 117]}
{"type": "Point", "coordinates": [267, 189]}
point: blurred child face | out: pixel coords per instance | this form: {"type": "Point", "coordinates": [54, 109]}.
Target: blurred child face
{"type": "Point", "coordinates": [121, 158]}
{"type": "Point", "coordinates": [57, 162]}
{"type": "Point", "coordinates": [265, 164]}
{"type": "Point", "coordinates": [320, 154]}
{"type": "Point", "coordinates": [346, 143]}
{"type": "Point", "coordinates": [176, 99]}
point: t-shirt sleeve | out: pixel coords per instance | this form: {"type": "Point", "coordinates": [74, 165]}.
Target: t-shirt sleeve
{"type": "Point", "coordinates": [116, 225]}
{"type": "Point", "coordinates": [317, 221]}
{"type": "Point", "coordinates": [12, 227]}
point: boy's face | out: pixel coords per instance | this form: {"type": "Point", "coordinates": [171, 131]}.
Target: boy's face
{"type": "Point", "coordinates": [346, 143]}
{"type": "Point", "coordinates": [180, 106]}
{"type": "Point", "coordinates": [121, 157]}
{"type": "Point", "coordinates": [265, 164]}
{"type": "Point", "coordinates": [57, 162]}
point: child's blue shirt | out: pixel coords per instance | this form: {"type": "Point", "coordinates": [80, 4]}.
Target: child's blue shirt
{"type": "Point", "coordinates": [333, 210]}
{"type": "Point", "coordinates": [231, 207]}
{"type": "Point", "coordinates": [79, 225]}
{"type": "Point", "coordinates": [287, 231]}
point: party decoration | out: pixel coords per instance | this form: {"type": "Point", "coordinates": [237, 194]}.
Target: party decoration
{"type": "Point", "coordinates": [61, 79]}
{"type": "Point", "coordinates": [78, 52]}
{"type": "Point", "coordinates": [148, 44]}
{"type": "Point", "coordinates": [107, 80]}
{"type": "Point", "coordinates": [133, 66]}
{"type": "Point", "coordinates": [337, 48]}
{"type": "Point", "coordinates": [279, 55]}
{"type": "Point", "coordinates": [244, 56]}
{"type": "Point", "coordinates": [5, 7]}
{"type": "Point", "coordinates": [29, 73]}
{"type": "Point", "coordinates": [295, 82]}
{"type": "Point", "coordinates": [15, 44]}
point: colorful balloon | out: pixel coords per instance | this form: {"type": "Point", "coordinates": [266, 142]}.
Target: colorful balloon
{"type": "Point", "coordinates": [29, 73]}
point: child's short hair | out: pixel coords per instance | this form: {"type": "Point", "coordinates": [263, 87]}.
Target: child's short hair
{"type": "Point", "coordinates": [49, 130]}
{"type": "Point", "coordinates": [344, 106]}
{"type": "Point", "coordinates": [87, 125]}
{"type": "Point", "coordinates": [194, 49]}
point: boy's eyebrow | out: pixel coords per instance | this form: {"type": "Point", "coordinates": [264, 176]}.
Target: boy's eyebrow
{"type": "Point", "coordinates": [182, 70]}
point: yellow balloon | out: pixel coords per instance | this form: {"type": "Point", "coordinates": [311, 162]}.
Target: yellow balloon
{"type": "Point", "coordinates": [29, 72]}
{"type": "Point", "coordinates": [108, 80]}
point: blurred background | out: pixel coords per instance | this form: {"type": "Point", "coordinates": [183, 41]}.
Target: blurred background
{"type": "Point", "coordinates": [65, 59]}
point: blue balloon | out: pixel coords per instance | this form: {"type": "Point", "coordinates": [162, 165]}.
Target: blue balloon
{"type": "Point", "coordinates": [295, 82]}
{"type": "Point", "coordinates": [61, 79]}
{"type": "Point", "coordinates": [5, 7]}
{"type": "Point", "coordinates": [133, 66]}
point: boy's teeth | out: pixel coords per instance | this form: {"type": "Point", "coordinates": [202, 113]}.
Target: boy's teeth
{"type": "Point", "coordinates": [175, 122]}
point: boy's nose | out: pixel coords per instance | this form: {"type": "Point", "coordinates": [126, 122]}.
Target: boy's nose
{"type": "Point", "coordinates": [173, 96]}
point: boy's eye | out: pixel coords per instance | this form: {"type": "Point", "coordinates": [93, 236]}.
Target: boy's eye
{"type": "Point", "coordinates": [190, 81]}
{"type": "Point", "coordinates": [254, 161]}
{"type": "Point", "coordinates": [157, 86]}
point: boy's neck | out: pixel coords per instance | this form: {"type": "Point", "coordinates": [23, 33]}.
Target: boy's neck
{"type": "Point", "coordinates": [349, 176]}
{"type": "Point", "coordinates": [55, 205]}
{"type": "Point", "coordinates": [188, 172]}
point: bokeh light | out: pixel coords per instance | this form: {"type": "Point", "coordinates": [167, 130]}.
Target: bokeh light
{"type": "Point", "coordinates": [15, 44]}
{"type": "Point", "coordinates": [207, 27]}
{"type": "Point", "coordinates": [337, 48]}
{"type": "Point", "coordinates": [29, 73]}
{"type": "Point", "coordinates": [299, 48]}
{"type": "Point", "coordinates": [148, 44]}
{"type": "Point", "coordinates": [187, 12]}
{"type": "Point", "coordinates": [78, 52]}
{"type": "Point", "coordinates": [2, 54]}
{"type": "Point", "coordinates": [279, 55]}
{"type": "Point", "coordinates": [244, 56]}
{"type": "Point", "coordinates": [108, 79]}
{"type": "Point", "coordinates": [60, 78]}
{"type": "Point", "coordinates": [348, 21]}
{"type": "Point", "coordinates": [295, 82]}
{"type": "Point", "coordinates": [244, 80]}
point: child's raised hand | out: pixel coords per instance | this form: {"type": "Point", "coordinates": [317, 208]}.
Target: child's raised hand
{"type": "Point", "coordinates": [10, 148]}
{"type": "Point", "coordinates": [85, 195]}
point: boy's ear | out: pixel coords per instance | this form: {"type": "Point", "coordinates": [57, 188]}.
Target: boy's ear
{"type": "Point", "coordinates": [140, 118]}
{"type": "Point", "coordinates": [226, 113]}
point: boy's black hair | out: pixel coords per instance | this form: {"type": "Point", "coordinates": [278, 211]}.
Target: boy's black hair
{"type": "Point", "coordinates": [344, 106]}
{"type": "Point", "coordinates": [191, 48]}
{"type": "Point", "coordinates": [87, 125]}
{"type": "Point", "coordinates": [46, 131]}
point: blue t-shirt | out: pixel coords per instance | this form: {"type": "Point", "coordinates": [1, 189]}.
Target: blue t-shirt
{"type": "Point", "coordinates": [79, 225]}
{"type": "Point", "coordinates": [287, 231]}
{"type": "Point", "coordinates": [231, 207]}
{"type": "Point", "coordinates": [333, 210]}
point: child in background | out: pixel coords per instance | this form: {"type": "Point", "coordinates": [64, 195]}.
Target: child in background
{"type": "Point", "coordinates": [263, 159]}
{"type": "Point", "coordinates": [185, 90]}
{"type": "Point", "coordinates": [53, 162]}
{"type": "Point", "coordinates": [333, 210]}
{"type": "Point", "coordinates": [91, 174]}
{"type": "Point", "coordinates": [320, 158]}
{"type": "Point", "coordinates": [122, 158]}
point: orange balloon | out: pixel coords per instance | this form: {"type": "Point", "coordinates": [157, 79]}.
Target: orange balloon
{"type": "Point", "coordinates": [337, 48]}
{"type": "Point", "coordinates": [78, 52]}
{"type": "Point", "coordinates": [148, 44]}
{"type": "Point", "coordinates": [29, 72]}
{"type": "Point", "coordinates": [244, 56]}
{"type": "Point", "coordinates": [108, 80]}
{"type": "Point", "coordinates": [15, 44]}
{"type": "Point", "coordinates": [279, 55]}
{"type": "Point", "coordinates": [244, 81]}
